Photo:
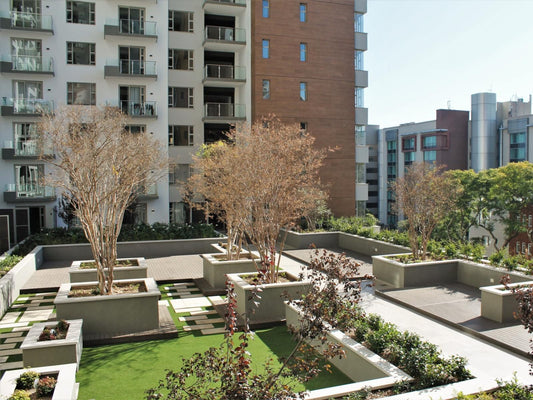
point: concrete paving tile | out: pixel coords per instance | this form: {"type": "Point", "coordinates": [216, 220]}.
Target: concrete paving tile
{"type": "Point", "coordinates": [182, 284]}
{"type": "Point", "coordinates": [49, 307]}
{"type": "Point", "coordinates": [163, 303]}
{"type": "Point", "coordinates": [190, 296]}
{"type": "Point", "coordinates": [23, 299]}
{"type": "Point", "coordinates": [35, 315]}
{"type": "Point", "coordinates": [10, 352]}
{"type": "Point", "coordinates": [213, 331]}
{"type": "Point", "coordinates": [188, 328]}
{"type": "Point", "coordinates": [216, 320]}
{"type": "Point", "coordinates": [22, 329]}
{"type": "Point", "coordinates": [217, 300]}
{"type": "Point", "coordinates": [189, 310]}
{"type": "Point", "coordinates": [204, 312]}
{"type": "Point", "coordinates": [7, 346]}
{"type": "Point", "coordinates": [10, 335]}
{"type": "Point", "coordinates": [190, 303]}
{"type": "Point", "coordinates": [193, 318]}
{"type": "Point", "coordinates": [3, 359]}
{"type": "Point", "coordinates": [13, 325]}
{"type": "Point", "coordinates": [10, 317]}
{"type": "Point", "coordinates": [14, 340]}
{"type": "Point", "coordinates": [11, 365]}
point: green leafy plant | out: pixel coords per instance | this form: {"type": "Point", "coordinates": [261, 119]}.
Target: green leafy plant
{"type": "Point", "coordinates": [46, 386]}
{"type": "Point", "coordinates": [26, 380]}
{"type": "Point", "coordinates": [20, 395]}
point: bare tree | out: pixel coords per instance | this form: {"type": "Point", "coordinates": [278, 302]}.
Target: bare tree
{"type": "Point", "coordinates": [423, 195]}
{"type": "Point", "coordinates": [100, 168]}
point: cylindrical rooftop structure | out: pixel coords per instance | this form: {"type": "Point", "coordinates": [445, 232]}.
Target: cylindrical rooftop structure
{"type": "Point", "coordinates": [484, 144]}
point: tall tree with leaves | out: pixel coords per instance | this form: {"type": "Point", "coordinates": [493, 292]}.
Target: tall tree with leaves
{"type": "Point", "coordinates": [99, 167]}
{"type": "Point", "coordinates": [423, 195]}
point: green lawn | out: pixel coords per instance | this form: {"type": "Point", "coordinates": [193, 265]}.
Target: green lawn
{"type": "Point", "coordinates": [125, 371]}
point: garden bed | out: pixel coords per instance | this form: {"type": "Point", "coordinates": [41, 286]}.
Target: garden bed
{"type": "Point", "coordinates": [125, 268]}
{"type": "Point", "coordinates": [498, 303]}
{"type": "Point", "coordinates": [216, 267]}
{"type": "Point", "coordinates": [40, 353]}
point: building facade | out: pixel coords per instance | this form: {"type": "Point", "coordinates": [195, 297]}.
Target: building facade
{"type": "Point", "coordinates": [185, 71]}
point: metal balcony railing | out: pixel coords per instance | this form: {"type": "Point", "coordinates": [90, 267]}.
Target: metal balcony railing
{"type": "Point", "coordinates": [30, 63]}
{"type": "Point", "coordinates": [216, 71]}
{"type": "Point", "coordinates": [225, 34]}
{"type": "Point", "coordinates": [239, 2]}
{"type": "Point", "coordinates": [137, 109]}
{"type": "Point", "coordinates": [221, 110]}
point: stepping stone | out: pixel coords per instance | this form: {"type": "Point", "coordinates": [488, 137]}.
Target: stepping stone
{"type": "Point", "coordinates": [217, 300]}
{"type": "Point", "coordinates": [183, 284]}
{"type": "Point", "coordinates": [213, 331]}
{"type": "Point", "coordinates": [35, 315]}
{"type": "Point", "coordinates": [13, 325]}
{"type": "Point", "coordinates": [33, 308]}
{"type": "Point", "coordinates": [193, 318]}
{"type": "Point", "coordinates": [11, 365]}
{"type": "Point", "coordinates": [189, 310]}
{"type": "Point", "coordinates": [203, 312]}
{"type": "Point", "coordinates": [163, 303]}
{"type": "Point", "coordinates": [23, 299]}
{"type": "Point", "coordinates": [188, 328]}
{"type": "Point", "coordinates": [7, 346]}
{"type": "Point", "coordinates": [190, 296]}
{"type": "Point", "coordinates": [19, 305]}
{"type": "Point", "coordinates": [14, 340]}
{"type": "Point", "coordinates": [190, 303]}
{"type": "Point", "coordinates": [10, 335]}
{"type": "Point", "coordinates": [3, 359]}
{"type": "Point", "coordinates": [216, 320]}
{"type": "Point", "coordinates": [10, 317]}
{"type": "Point", "coordinates": [46, 294]}
{"type": "Point", "coordinates": [9, 352]}
{"type": "Point", "coordinates": [22, 329]}
{"type": "Point", "coordinates": [182, 292]}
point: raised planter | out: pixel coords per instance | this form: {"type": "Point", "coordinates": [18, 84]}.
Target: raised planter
{"type": "Point", "coordinates": [359, 363]}
{"type": "Point", "coordinates": [37, 353]}
{"type": "Point", "coordinates": [499, 304]}
{"type": "Point", "coordinates": [66, 387]}
{"type": "Point", "coordinates": [113, 314]}
{"type": "Point", "coordinates": [216, 267]}
{"type": "Point", "coordinates": [270, 306]}
{"type": "Point", "coordinates": [139, 271]}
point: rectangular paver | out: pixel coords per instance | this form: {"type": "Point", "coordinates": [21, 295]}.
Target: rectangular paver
{"type": "Point", "coordinates": [10, 317]}
{"type": "Point", "coordinates": [212, 331]}
{"type": "Point", "coordinates": [190, 303]}
{"type": "Point", "coordinates": [7, 346]}
{"type": "Point", "coordinates": [197, 327]}
{"type": "Point", "coordinates": [10, 365]}
{"type": "Point", "coordinates": [35, 315]}
{"type": "Point", "coordinates": [203, 312]}
{"type": "Point", "coordinates": [193, 318]}
{"type": "Point", "coordinates": [13, 325]}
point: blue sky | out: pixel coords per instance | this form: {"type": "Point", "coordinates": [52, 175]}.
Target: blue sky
{"type": "Point", "coordinates": [423, 54]}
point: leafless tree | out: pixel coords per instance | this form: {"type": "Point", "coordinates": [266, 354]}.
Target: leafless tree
{"type": "Point", "coordinates": [100, 168]}
{"type": "Point", "coordinates": [423, 195]}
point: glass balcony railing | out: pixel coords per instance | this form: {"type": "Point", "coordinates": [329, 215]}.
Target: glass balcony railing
{"type": "Point", "coordinates": [216, 71]}
{"type": "Point", "coordinates": [239, 2]}
{"type": "Point", "coordinates": [133, 27]}
{"type": "Point", "coordinates": [137, 109]}
{"type": "Point", "coordinates": [137, 67]}
{"type": "Point", "coordinates": [222, 110]}
{"type": "Point", "coordinates": [27, 148]}
{"type": "Point", "coordinates": [225, 34]}
{"type": "Point", "coordinates": [30, 63]}
{"type": "Point", "coordinates": [25, 20]}
{"type": "Point", "coordinates": [32, 189]}
{"type": "Point", "coordinates": [29, 106]}
{"type": "Point", "coordinates": [147, 191]}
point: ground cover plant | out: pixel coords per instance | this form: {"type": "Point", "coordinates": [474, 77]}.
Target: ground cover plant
{"type": "Point", "coordinates": [59, 331]}
{"type": "Point", "coordinates": [7, 263]}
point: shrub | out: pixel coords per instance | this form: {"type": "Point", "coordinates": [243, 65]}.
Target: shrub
{"type": "Point", "coordinates": [20, 395]}
{"type": "Point", "coordinates": [46, 386]}
{"type": "Point", "coordinates": [26, 380]}
{"type": "Point", "coordinates": [7, 263]}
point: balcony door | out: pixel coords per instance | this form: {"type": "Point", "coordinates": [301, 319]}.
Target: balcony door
{"type": "Point", "coordinates": [131, 60]}
{"type": "Point", "coordinates": [27, 90]}
{"type": "Point", "coordinates": [26, 54]}
{"type": "Point", "coordinates": [26, 6]}
{"type": "Point", "coordinates": [132, 99]}
{"type": "Point", "coordinates": [25, 139]}
{"type": "Point", "coordinates": [27, 180]}
{"type": "Point", "coordinates": [131, 20]}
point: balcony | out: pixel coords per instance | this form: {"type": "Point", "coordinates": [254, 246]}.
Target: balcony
{"type": "Point", "coordinates": [149, 193]}
{"type": "Point", "coordinates": [224, 7]}
{"type": "Point", "coordinates": [136, 109]}
{"type": "Point", "coordinates": [216, 35]}
{"type": "Point", "coordinates": [136, 68]}
{"type": "Point", "coordinates": [214, 73]}
{"type": "Point", "coordinates": [28, 193]}
{"type": "Point", "coordinates": [25, 107]}
{"type": "Point", "coordinates": [24, 149]}
{"type": "Point", "coordinates": [27, 65]}
{"type": "Point", "coordinates": [26, 21]}
{"type": "Point", "coordinates": [130, 27]}
{"type": "Point", "coordinates": [224, 111]}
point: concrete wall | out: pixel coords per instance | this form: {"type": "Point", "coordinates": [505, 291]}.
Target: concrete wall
{"type": "Point", "coordinates": [15, 279]}
{"type": "Point", "coordinates": [478, 275]}
{"type": "Point", "coordinates": [296, 240]}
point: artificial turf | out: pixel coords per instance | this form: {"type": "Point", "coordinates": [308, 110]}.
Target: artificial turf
{"type": "Point", "coordinates": [125, 371]}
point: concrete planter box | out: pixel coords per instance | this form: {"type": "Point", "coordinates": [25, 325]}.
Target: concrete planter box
{"type": "Point", "coordinates": [215, 267]}
{"type": "Point", "coordinates": [401, 275]}
{"type": "Point", "coordinates": [359, 364]}
{"type": "Point", "coordinates": [271, 306]}
{"type": "Point", "coordinates": [52, 352]}
{"type": "Point", "coordinates": [139, 271]}
{"type": "Point", "coordinates": [499, 304]}
{"type": "Point", "coordinates": [113, 314]}
{"type": "Point", "coordinates": [66, 387]}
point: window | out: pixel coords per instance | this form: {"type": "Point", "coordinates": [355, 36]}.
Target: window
{"type": "Point", "coordinates": [180, 135]}
{"type": "Point", "coordinates": [358, 23]}
{"type": "Point", "coordinates": [517, 150]}
{"type": "Point", "coordinates": [180, 59]}
{"type": "Point", "coordinates": [179, 173]}
{"type": "Point", "coordinates": [25, 135]}
{"type": "Point", "coordinates": [266, 48]}
{"type": "Point", "coordinates": [303, 91]}
{"type": "Point", "coordinates": [303, 12]}
{"type": "Point", "coordinates": [28, 180]}
{"type": "Point", "coordinates": [359, 60]}
{"type": "Point", "coordinates": [359, 97]}
{"type": "Point", "coordinates": [81, 53]}
{"type": "Point", "coordinates": [81, 93]}
{"type": "Point", "coordinates": [391, 157]}
{"type": "Point", "coordinates": [303, 127]}
{"type": "Point", "coordinates": [180, 21]}
{"type": "Point", "coordinates": [303, 51]}
{"type": "Point", "coordinates": [391, 145]}
{"type": "Point", "coordinates": [266, 89]}
{"type": "Point", "coordinates": [517, 248]}
{"type": "Point", "coordinates": [530, 221]}
{"type": "Point", "coordinates": [180, 97]}
{"type": "Point", "coordinates": [430, 156]}
{"type": "Point", "coordinates": [429, 142]}
{"type": "Point", "coordinates": [409, 158]}
{"type": "Point", "coordinates": [80, 12]}
{"type": "Point", "coordinates": [135, 128]}
{"type": "Point", "coordinates": [177, 213]}
{"type": "Point", "coordinates": [409, 143]}
{"type": "Point", "coordinates": [266, 8]}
